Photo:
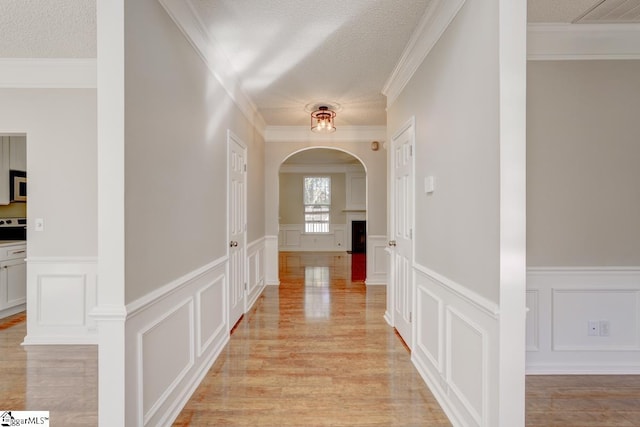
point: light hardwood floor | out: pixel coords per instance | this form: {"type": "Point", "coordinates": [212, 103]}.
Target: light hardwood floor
{"type": "Point", "coordinates": [313, 352]}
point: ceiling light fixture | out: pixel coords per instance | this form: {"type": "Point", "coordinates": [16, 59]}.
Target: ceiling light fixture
{"type": "Point", "coordinates": [322, 120]}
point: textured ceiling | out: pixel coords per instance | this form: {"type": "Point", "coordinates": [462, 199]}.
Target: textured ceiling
{"type": "Point", "coordinates": [584, 11]}
{"type": "Point", "coordinates": [289, 53]}
{"type": "Point", "coordinates": [286, 53]}
{"type": "Point", "coordinates": [47, 28]}
{"type": "Point", "coordinates": [558, 10]}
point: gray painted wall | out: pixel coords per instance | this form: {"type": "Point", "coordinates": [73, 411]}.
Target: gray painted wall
{"type": "Point", "coordinates": [176, 121]}
{"type": "Point", "coordinates": [454, 97]}
{"type": "Point", "coordinates": [583, 157]}
{"type": "Point", "coordinates": [61, 153]}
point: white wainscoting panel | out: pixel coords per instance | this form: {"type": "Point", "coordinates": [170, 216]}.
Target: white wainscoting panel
{"type": "Point", "coordinates": [533, 322]}
{"type": "Point", "coordinates": [431, 310]}
{"type": "Point", "coordinates": [377, 260]}
{"type": "Point", "coordinates": [456, 347]}
{"type": "Point", "coordinates": [255, 271]}
{"type": "Point", "coordinates": [60, 294]}
{"type": "Point", "coordinates": [293, 238]}
{"type": "Point", "coordinates": [271, 260]}
{"type": "Point", "coordinates": [173, 336]}
{"type": "Point", "coordinates": [566, 301]}
{"type": "Point", "coordinates": [159, 375]}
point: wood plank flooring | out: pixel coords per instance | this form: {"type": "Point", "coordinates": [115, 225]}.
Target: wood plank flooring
{"type": "Point", "coordinates": [313, 352]}
{"type": "Point", "coordinates": [60, 379]}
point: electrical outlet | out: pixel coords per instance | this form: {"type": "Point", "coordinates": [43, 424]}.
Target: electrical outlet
{"type": "Point", "coordinates": [593, 328]}
{"type": "Point", "coordinates": [604, 328]}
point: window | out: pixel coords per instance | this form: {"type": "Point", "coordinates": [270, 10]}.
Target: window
{"type": "Point", "coordinates": [317, 203]}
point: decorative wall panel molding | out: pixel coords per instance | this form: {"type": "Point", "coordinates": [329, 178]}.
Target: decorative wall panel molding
{"type": "Point", "coordinates": [255, 271]}
{"type": "Point", "coordinates": [187, 315]}
{"type": "Point", "coordinates": [456, 332]}
{"type": "Point", "coordinates": [271, 260]}
{"type": "Point", "coordinates": [61, 292]}
{"type": "Point", "coordinates": [586, 320]}
{"type": "Point", "coordinates": [377, 260]}
{"type": "Point", "coordinates": [293, 238]}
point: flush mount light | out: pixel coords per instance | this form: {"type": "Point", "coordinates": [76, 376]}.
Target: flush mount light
{"type": "Point", "coordinates": [322, 120]}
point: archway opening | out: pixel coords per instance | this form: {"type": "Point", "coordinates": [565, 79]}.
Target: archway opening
{"type": "Point", "coordinates": [323, 205]}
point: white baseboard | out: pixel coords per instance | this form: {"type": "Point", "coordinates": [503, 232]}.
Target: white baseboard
{"type": "Point", "coordinates": [563, 300]}
{"type": "Point", "coordinates": [60, 294]}
{"type": "Point", "coordinates": [12, 310]}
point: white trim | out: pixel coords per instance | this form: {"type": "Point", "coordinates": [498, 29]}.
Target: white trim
{"type": "Point", "coordinates": [143, 418]}
{"type": "Point", "coordinates": [199, 355]}
{"type": "Point", "coordinates": [322, 168]}
{"type": "Point", "coordinates": [574, 369]}
{"type": "Point", "coordinates": [134, 307]}
{"type": "Point", "coordinates": [618, 271]}
{"type": "Point", "coordinates": [344, 134]}
{"type": "Point", "coordinates": [58, 260]}
{"type": "Point", "coordinates": [59, 73]}
{"type": "Point", "coordinates": [78, 276]}
{"type": "Point", "coordinates": [586, 355]}
{"type": "Point", "coordinates": [201, 347]}
{"type": "Point", "coordinates": [486, 306]}
{"type": "Point", "coordinates": [255, 263]}
{"type": "Point", "coordinates": [433, 24]}
{"type": "Point", "coordinates": [481, 418]}
{"type": "Point", "coordinates": [184, 14]}
{"type": "Point", "coordinates": [582, 41]}
{"type": "Point", "coordinates": [271, 261]}
{"type": "Point", "coordinates": [377, 270]}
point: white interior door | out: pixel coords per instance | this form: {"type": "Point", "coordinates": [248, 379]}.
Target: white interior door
{"type": "Point", "coordinates": [237, 204]}
{"type": "Point", "coordinates": [400, 243]}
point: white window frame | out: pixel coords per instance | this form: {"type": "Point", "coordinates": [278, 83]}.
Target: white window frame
{"type": "Point", "coordinates": [314, 226]}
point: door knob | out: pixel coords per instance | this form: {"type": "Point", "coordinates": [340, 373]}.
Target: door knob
{"type": "Point", "coordinates": [235, 244]}
{"type": "Point", "coordinates": [392, 242]}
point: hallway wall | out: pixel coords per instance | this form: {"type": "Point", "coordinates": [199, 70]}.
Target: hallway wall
{"type": "Point", "coordinates": [469, 246]}
{"type": "Point", "coordinates": [177, 120]}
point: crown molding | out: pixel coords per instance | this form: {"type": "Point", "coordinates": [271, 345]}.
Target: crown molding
{"type": "Point", "coordinates": [183, 13]}
{"type": "Point", "coordinates": [434, 22]}
{"type": "Point", "coordinates": [61, 73]}
{"type": "Point", "coordinates": [582, 41]}
{"type": "Point", "coordinates": [342, 134]}
{"type": "Point", "coordinates": [321, 168]}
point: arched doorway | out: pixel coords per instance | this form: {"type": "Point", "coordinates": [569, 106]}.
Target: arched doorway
{"type": "Point", "coordinates": [323, 202]}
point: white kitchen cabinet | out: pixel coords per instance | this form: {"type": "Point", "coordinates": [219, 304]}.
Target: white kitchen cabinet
{"type": "Point", "coordinates": [4, 170]}
{"type": "Point", "coordinates": [18, 153]}
{"type": "Point", "coordinates": [13, 280]}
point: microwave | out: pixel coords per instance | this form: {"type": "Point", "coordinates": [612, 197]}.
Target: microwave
{"type": "Point", "coordinates": [18, 183]}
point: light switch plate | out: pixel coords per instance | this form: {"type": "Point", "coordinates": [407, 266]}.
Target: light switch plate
{"type": "Point", "coordinates": [38, 224]}
{"type": "Point", "coordinates": [429, 184]}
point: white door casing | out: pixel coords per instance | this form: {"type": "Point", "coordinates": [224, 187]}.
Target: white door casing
{"type": "Point", "coordinates": [237, 226]}
{"type": "Point", "coordinates": [401, 233]}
